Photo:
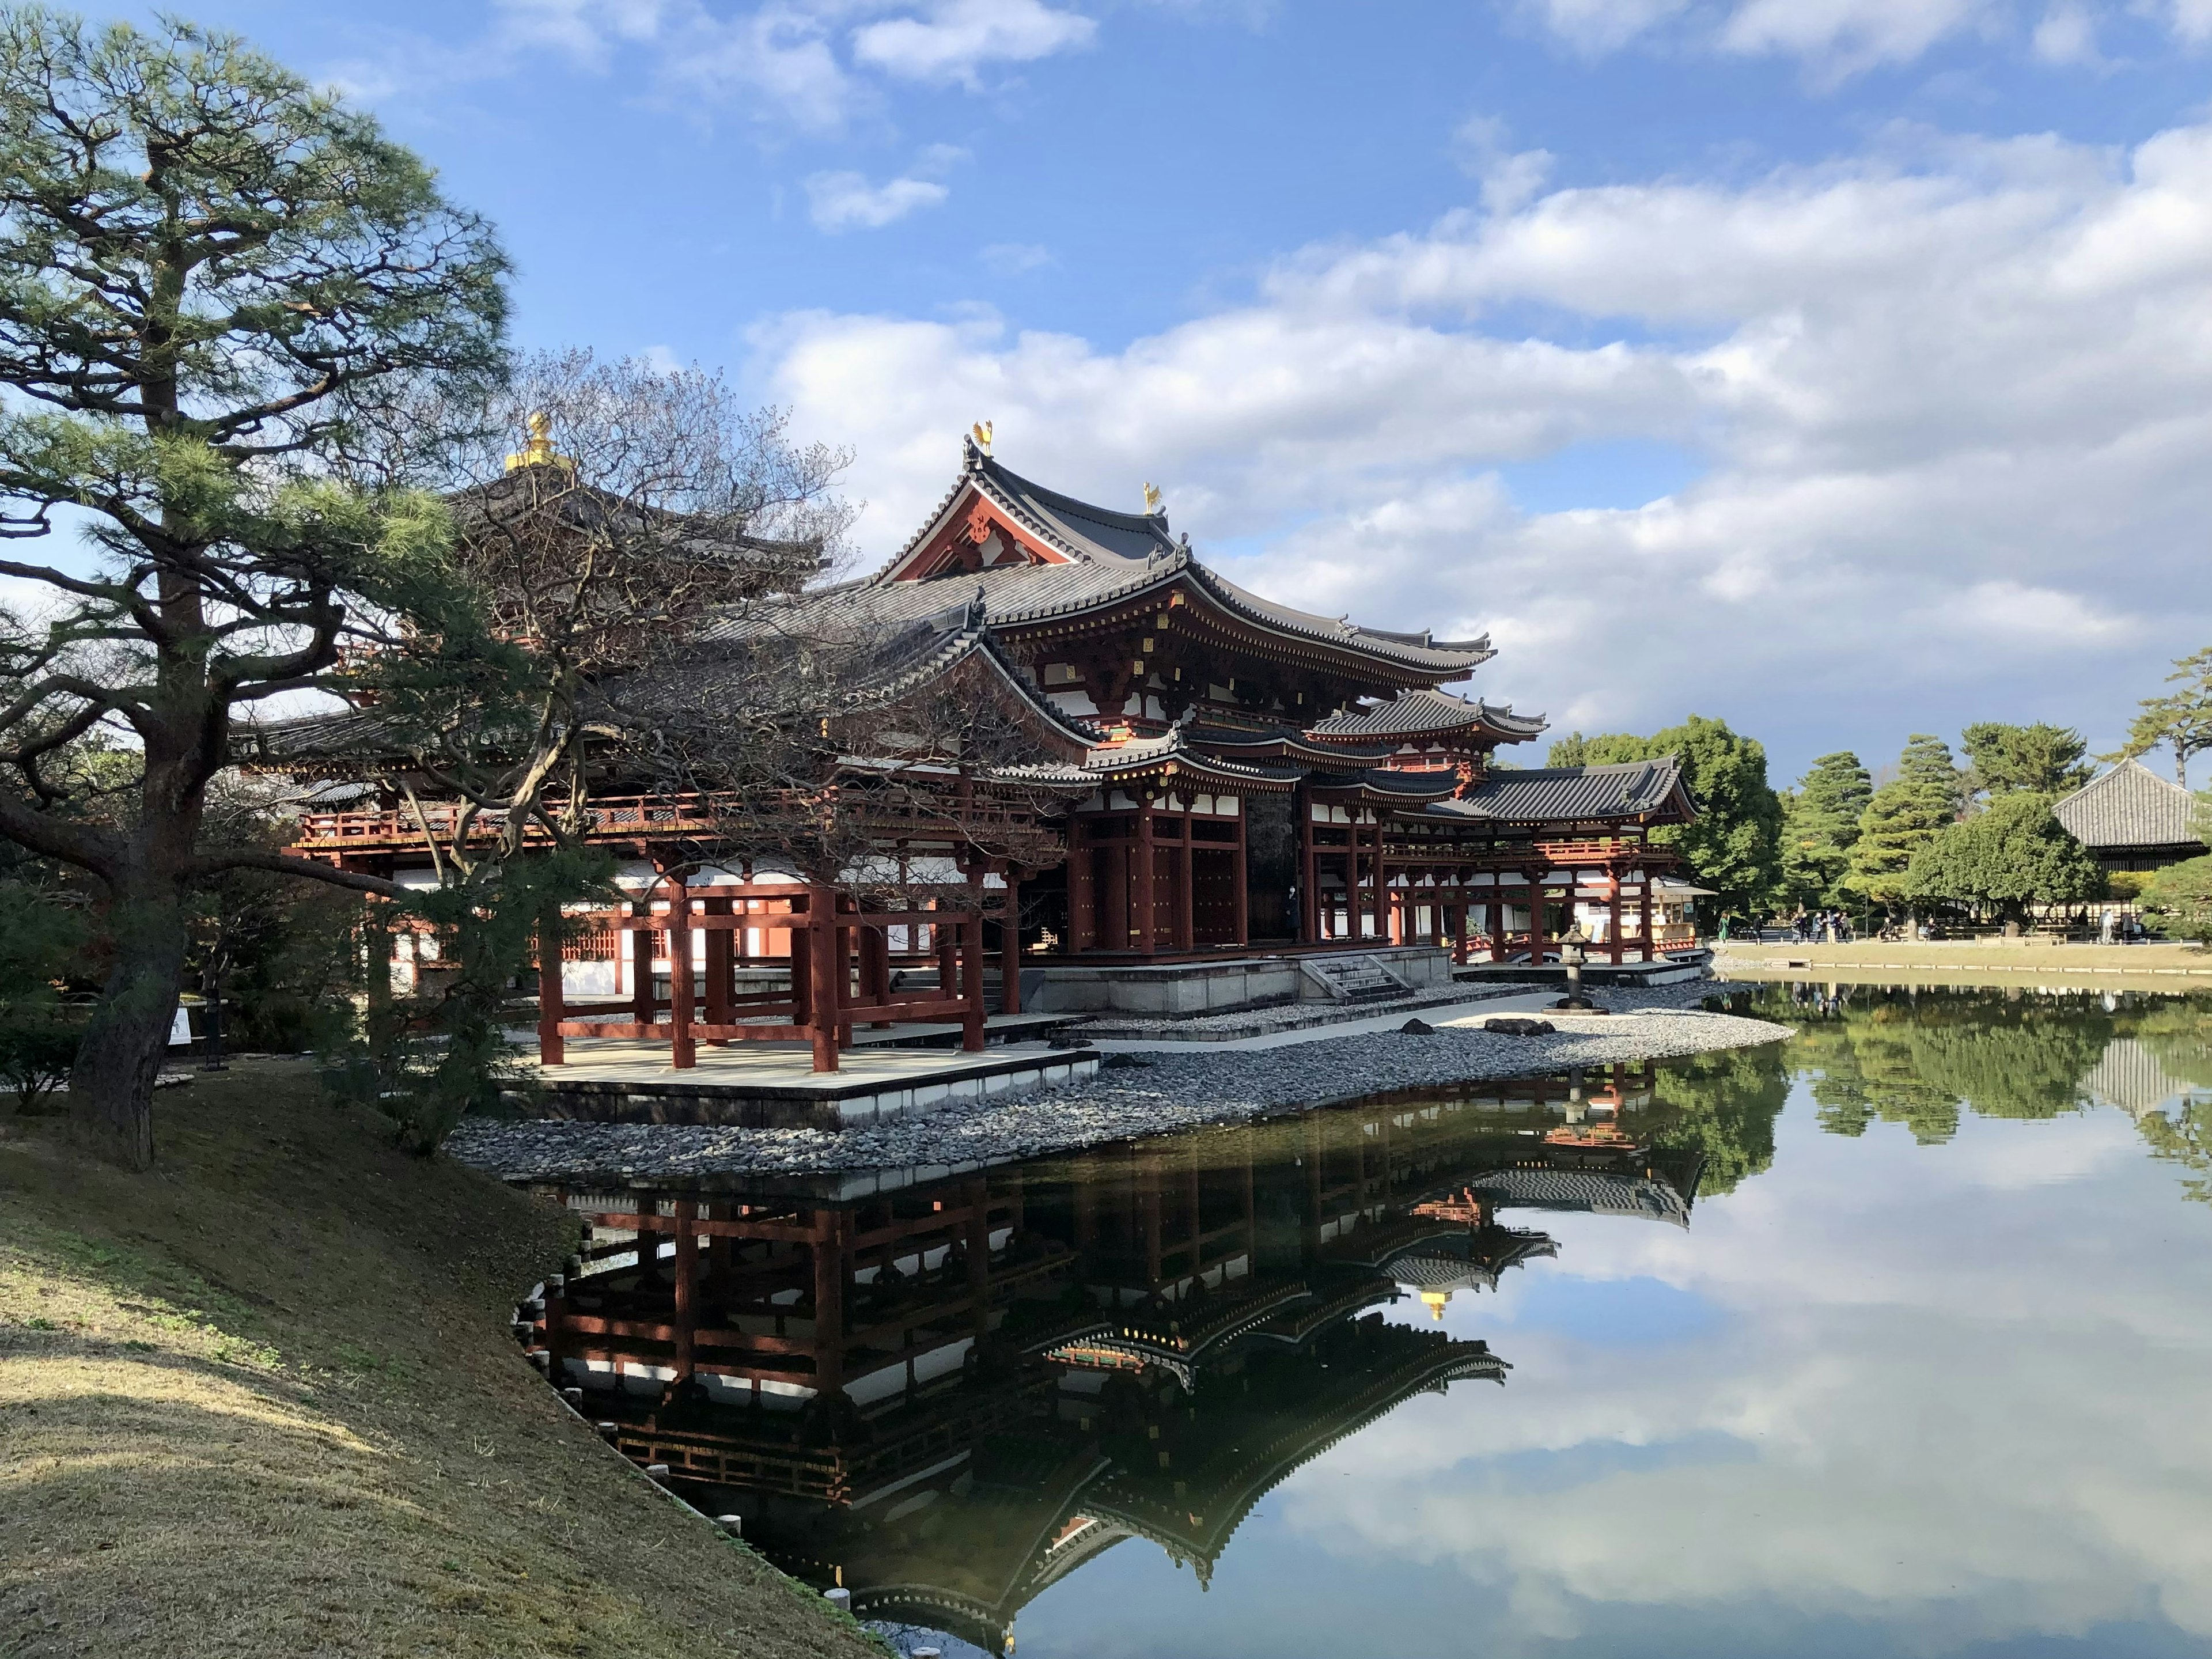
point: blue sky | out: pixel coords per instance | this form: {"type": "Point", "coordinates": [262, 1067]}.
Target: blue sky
{"type": "Point", "coordinates": [1842, 367]}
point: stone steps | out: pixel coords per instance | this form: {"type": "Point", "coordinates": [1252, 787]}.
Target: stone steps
{"type": "Point", "coordinates": [1353, 978]}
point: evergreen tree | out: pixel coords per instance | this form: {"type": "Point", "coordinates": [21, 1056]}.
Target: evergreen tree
{"type": "Point", "coordinates": [1821, 825]}
{"type": "Point", "coordinates": [2041, 759]}
{"type": "Point", "coordinates": [1904, 816]}
{"type": "Point", "coordinates": [214, 281]}
{"type": "Point", "coordinates": [1570, 750]}
{"type": "Point", "coordinates": [2180, 897]}
{"type": "Point", "coordinates": [2181, 721]}
{"type": "Point", "coordinates": [2014, 856]}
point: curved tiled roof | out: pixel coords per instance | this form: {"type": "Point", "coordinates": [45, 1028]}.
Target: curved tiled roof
{"type": "Point", "coordinates": [1563, 794]}
{"type": "Point", "coordinates": [1413, 714]}
{"type": "Point", "coordinates": [1115, 556]}
{"type": "Point", "coordinates": [1142, 755]}
{"type": "Point", "coordinates": [1282, 742]}
{"type": "Point", "coordinates": [2129, 806]}
{"type": "Point", "coordinates": [1401, 785]}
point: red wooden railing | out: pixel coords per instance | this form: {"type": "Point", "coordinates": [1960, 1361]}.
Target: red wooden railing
{"type": "Point", "coordinates": [620, 818]}
{"type": "Point", "coordinates": [840, 960]}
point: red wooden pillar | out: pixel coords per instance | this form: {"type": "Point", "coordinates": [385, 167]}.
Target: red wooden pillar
{"type": "Point", "coordinates": [843, 938]}
{"type": "Point", "coordinates": [1145, 874]}
{"type": "Point", "coordinates": [1083, 928]}
{"type": "Point", "coordinates": [1186, 921]}
{"type": "Point", "coordinates": [1535, 917]}
{"type": "Point", "coordinates": [721, 962]}
{"type": "Point", "coordinates": [1010, 946]}
{"type": "Point", "coordinates": [823, 965]}
{"type": "Point", "coordinates": [642, 1002]}
{"type": "Point", "coordinates": [1613, 909]}
{"type": "Point", "coordinates": [1113, 930]}
{"type": "Point", "coordinates": [1309, 873]}
{"type": "Point", "coordinates": [1238, 896]}
{"type": "Point", "coordinates": [1643, 914]}
{"type": "Point", "coordinates": [801, 958]}
{"type": "Point", "coordinates": [1372, 837]}
{"type": "Point", "coordinates": [971, 966]}
{"type": "Point", "coordinates": [875, 951]}
{"type": "Point", "coordinates": [682, 1004]}
{"type": "Point", "coordinates": [943, 943]}
{"type": "Point", "coordinates": [552, 1050]}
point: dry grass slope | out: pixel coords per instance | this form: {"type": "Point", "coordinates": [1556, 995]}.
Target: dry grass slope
{"type": "Point", "coordinates": [262, 1401]}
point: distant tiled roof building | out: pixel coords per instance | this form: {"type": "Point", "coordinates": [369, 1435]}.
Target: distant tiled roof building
{"type": "Point", "coordinates": [2132, 819]}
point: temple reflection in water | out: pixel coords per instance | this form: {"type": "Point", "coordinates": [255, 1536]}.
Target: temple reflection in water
{"type": "Point", "coordinates": [947, 1390]}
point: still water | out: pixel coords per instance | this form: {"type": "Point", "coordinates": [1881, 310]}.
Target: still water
{"type": "Point", "coordinates": [1892, 1339]}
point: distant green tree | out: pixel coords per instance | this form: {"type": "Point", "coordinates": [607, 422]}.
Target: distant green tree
{"type": "Point", "coordinates": [2178, 898]}
{"type": "Point", "coordinates": [1819, 827]}
{"type": "Point", "coordinates": [1904, 816]}
{"type": "Point", "coordinates": [2008, 857]}
{"type": "Point", "coordinates": [1735, 847]}
{"type": "Point", "coordinates": [2181, 721]}
{"type": "Point", "coordinates": [1570, 750]}
{"type": "Point", "coordinates": [2040, 759]}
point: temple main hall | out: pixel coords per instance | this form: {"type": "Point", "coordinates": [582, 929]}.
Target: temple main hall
{"type": "Point", "coordinates": [1213, 802]}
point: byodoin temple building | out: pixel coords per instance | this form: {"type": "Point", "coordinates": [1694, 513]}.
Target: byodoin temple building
{"type": "Point", "coordinates": [1220, 801]}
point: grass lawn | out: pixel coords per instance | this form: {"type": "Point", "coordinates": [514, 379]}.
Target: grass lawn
{"type": "Point", "coordinates": [263, 1400]}
{"type": "Point", "coordinates": [1973, 953]}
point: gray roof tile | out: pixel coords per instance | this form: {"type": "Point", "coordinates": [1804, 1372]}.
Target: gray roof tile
{"type": "Point", "coordinates": [2129, 806]}
{"type": "Point", "coordinates": [1413, 713]}
{"type": "Point", "coordinates": [1565, 794]}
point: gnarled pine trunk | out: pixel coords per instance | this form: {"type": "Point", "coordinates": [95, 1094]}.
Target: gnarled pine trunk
{"type": "Point", "coordinates": [112, 1087]}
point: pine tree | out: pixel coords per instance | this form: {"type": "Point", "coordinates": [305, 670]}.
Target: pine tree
{"type": "Point", "coordinates": [2181, 720]}
{"type": "Point", "coordinates": [1821, 825]}
{"type": "Point", "coordinates": [215, 282]}
{"type": "Point", "coordinates": [1904, 816]}
{"type": "Point", "coordinates": [2040, 759]}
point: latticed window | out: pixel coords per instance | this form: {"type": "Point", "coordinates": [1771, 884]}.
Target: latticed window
{"type": "Point", "coordinates": [593, 945]}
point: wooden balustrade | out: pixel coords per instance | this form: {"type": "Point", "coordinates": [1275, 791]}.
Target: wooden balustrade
{"type": "Point", "coordinates": [623, 818]}
{"type": "Point", "coordinates": [840, 960]}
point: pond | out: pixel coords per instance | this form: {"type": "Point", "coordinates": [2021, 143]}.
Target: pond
{"type": "Point", "coordinates": [1892, 1339]}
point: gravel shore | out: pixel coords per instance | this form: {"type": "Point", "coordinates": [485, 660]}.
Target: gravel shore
{"type": "Point", "coordinates": [1135, 1096]}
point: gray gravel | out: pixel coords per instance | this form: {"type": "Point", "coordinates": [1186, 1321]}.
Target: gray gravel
{"type": "Point", "coordinates": [1160, 1093]}
{"type": "Point", "coordinates": [1287, 1016]}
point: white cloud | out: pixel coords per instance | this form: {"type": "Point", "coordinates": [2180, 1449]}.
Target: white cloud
{"type": "Point", "coordinates": [952, 40]}
{"type": "Point", "coordinates": [1952, 408]}
{"type": "Point", "coordinates": [1597, 25]}
{"type": "Point", "coordinates": [1849, 35]}
{"type": "Point", "coordinates": [2067, 34]}
{"type": "Point", "coordinates": [1835, 39]}
{"type": "Point", "coordinates": [847, 201]}
{"type": "Point", "coordinates": [1509, 178]}
{"type": "Point", "coordinates": [2189, 19]}
{"type": "Point", "coordinates": [810, 64]}
{"type": "Point", "coordinates": [1015, 259]}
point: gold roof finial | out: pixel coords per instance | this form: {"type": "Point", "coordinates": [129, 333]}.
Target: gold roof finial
{"type": "Point", "coordinates": [1436, 1302]}
{"type": "Point", "coordinates": [538, 450]}
{"type": "Point", "coordinates": [980, 432]}
{"type": "Point", "coordinates": [1152, 501]}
